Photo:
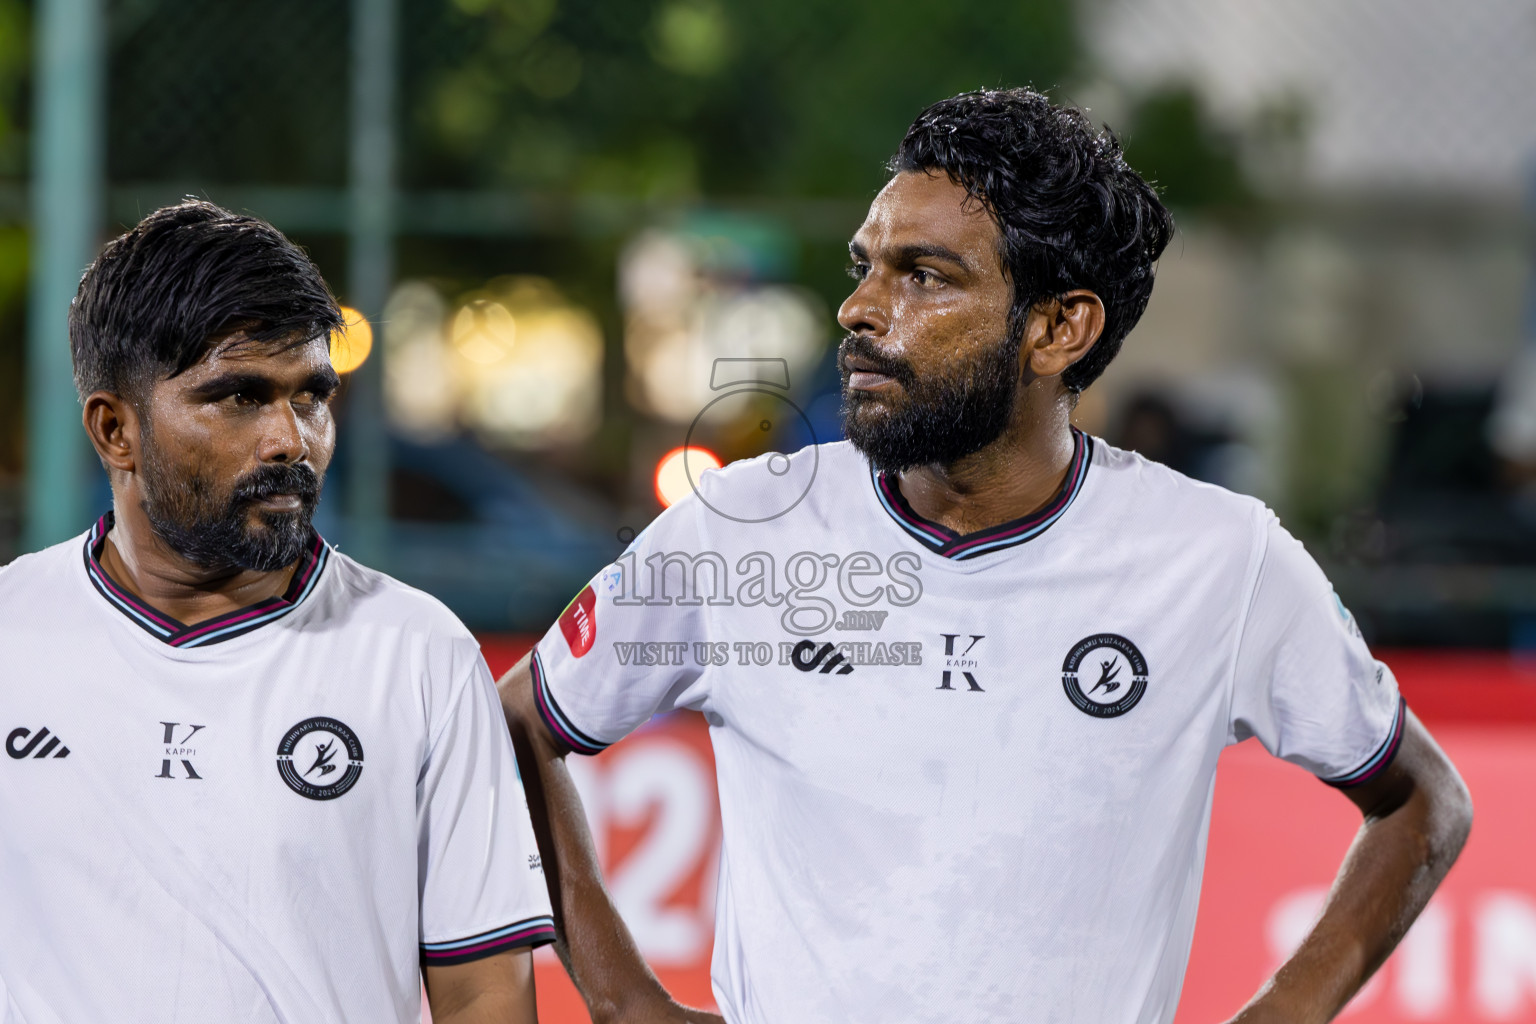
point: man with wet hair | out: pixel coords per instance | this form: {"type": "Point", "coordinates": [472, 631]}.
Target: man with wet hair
{"type": "Point", "coordinates": [1011, 827]}
{"type": "Point", "coordinates": [247, 778]}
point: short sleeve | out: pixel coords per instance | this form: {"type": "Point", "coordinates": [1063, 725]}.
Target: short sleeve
{"type": "Point", "coordinates": [1306, 684]}
{"type": "Point", "coordinates": [481, 882]}
{"type": "Point", "coordinates": [635, 641]}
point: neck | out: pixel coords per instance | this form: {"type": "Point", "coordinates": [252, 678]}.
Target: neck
{"type": "Point", "coordinates": [136, 558]}
{"type": "Point", "coordinates": [1015, 475]}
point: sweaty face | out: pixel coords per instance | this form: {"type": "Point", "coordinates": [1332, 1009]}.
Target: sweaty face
{"type": "Point", "coordinates": [954, 412]}
{"type": "Point", "coordinates": [930, 368]}
{"type": "Point", "coordinates": [233, 453]}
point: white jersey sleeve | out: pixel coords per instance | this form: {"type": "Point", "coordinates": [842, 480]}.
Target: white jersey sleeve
{"type": "Point", "coordinates": [624, 650]}
{"type": "Point", "coordinates": [1306, 685]}
{"type": "Point", "coordinates": [481, 881]}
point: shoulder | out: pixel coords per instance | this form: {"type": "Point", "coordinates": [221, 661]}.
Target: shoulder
{"type": "Point", "coordinates": [766, 488]}
{"type": "Point", "coordinates": [357, 596]}
{"type": "Point", "coordinates": [778, 472]}
{"type": "Point", "coordinates": [406, 630]}
{"type": "Point", "coordinates": [35, 577]}
{"type": "Point", "coordinates": [1159, 500]}
{"type": "Point", "coordinates": [779, 478]}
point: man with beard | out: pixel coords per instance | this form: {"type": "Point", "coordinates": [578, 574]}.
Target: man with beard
{"type": "Point", "coordinates": [1010, 826]}
{"type": "Point", "coordinates": [247, 778]}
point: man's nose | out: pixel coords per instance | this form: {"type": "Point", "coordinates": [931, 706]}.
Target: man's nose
{"type": "Point", "coordinates": [282, 439]}
{"type": "Point", "coordinates": [866, 311]}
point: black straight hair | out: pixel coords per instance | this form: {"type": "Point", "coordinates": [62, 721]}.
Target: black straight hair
{"type": "Point", "coordinates": [185, 276]}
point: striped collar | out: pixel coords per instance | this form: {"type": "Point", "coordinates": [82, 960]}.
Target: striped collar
{"type": "Point", "coordinates": [209, 631]}
{"type": "Point", "coordinates": [941, 540]}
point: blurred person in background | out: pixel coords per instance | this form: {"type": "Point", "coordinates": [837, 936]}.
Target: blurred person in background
{"type": "Point", "coordinates": [247, 778]}
{"type": "Point", "coordinates": [1153, 426]}
{"type": "Point", "coordinates": [995, 807]}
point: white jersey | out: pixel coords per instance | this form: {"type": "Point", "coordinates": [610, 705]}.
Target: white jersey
{"type": "Point", "coordinates": [277, 815]}
{"type": "Point", "coordinates": [966, 778]}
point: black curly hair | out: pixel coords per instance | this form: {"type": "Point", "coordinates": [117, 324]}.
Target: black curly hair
{"type": "Point", "coordinates": [185, 275]}
{"type": "Point", "coordinates": [1071, 212]}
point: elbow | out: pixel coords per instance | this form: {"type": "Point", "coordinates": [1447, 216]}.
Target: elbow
{"type": "Point", "coordinates": [1461, 813]}
{"type": "Point", "coordinates": [1452, 815]}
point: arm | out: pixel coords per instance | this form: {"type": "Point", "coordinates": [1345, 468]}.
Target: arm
{"type": "Point", "coordinates": [496, 990]}
{"type": "Point", "coordinates": [593, 942]}
{"type": "Point", "coordinates": [1417, 815]}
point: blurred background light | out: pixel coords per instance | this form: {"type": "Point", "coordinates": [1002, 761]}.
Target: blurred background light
{"type": "Point", "coordinates": [515, 362]}
{"type": "Point", "coordinates": [691, 298]}
{"type": "Point", "coordinates": [351, 344]}
{"type": "Point", "coordinates": [679, 470]}
{"type": "Point", "coordinates": [484, 332]}
{"type": "Point", "coordinates": [590, 204]}
{"type": "Point", "coordinates": [421, 393]}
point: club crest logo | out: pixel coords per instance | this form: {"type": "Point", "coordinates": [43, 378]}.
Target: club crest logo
{"type": "Point", "coordinates": [578, 623]}
{"type": "Point", "coordinates": [1104, 675]}
{"type": "Point", "coordinates": [320, 758]}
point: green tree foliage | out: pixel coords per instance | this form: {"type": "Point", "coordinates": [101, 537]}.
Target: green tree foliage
{"type": "Point", "coordinates": [1173, 140]}
{"type": "Point", "coordinates": [672, 101]}
{"type": "Point", "coordinates": [682, 98]}
{"type": "Point", "coordinates": [201, 93]}
{"type": "Point", "coordinates": [15, 58]}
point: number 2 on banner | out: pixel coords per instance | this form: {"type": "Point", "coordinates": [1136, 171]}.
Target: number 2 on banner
{"type": "Point", "coordinates": [656, 791]}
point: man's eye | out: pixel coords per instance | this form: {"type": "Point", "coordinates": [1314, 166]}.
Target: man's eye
{"type": "Point", "coordinates": [244, 400]}
{"type": "Point", "coordinates": [926, 278]}
{"type": "Point", "coordinates": [858, 271]}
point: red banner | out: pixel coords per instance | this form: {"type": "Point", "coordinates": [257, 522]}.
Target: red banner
{"type": "Point", "coordinates": [655, 820]}
{"type": "Point", "coordinates": [1277, 837]}
{"type": "Point", "coordinates": [651, 803]}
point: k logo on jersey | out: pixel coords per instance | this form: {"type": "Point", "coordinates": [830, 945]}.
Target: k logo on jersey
{"type": "Point", "coordinates": [961, 662]}
{"type": "Point", "coordinates": [174, 738]}
{"type": "Point", "coordinates": [320, 758]}
{"type": "Point", "coordinates": [1104, 675]}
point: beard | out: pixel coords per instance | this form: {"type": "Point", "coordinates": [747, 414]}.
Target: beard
{"type": "Point", "coordinates": [938, 419]}
{"type": "Point", "coordinates": [217, 531]}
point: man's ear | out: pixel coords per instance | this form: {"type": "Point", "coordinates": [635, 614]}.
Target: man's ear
{"type": "Point", "coordinates": [112, 423]}
{"type": "Point", "coordinates": [1060, 331]}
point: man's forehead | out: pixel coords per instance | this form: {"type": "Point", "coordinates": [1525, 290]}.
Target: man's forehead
{"type": "Point", "coordinates": [240, 349]}
{"type": "Point", "coordinates": [916, 207]}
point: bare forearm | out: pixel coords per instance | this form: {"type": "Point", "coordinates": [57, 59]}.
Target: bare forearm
{"type": "Point", "coordinates": [1404, 848]}
{"type": "Point", "coordinates": [1374, 899]}
{"type": "Point", "coordinates": [592, 939]}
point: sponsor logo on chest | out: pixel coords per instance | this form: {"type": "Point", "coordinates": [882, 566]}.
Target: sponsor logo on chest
{"type": "Point", "coordinates": [1104, 675]}
{"type": "Point", "coordinates": [320, 758]}
{"type": "Point", "coordinates": [23, 742]}
{"type": "Point", "coordinates": [961, 665]}
{"type": "Point", "coordinates": [176, 739]}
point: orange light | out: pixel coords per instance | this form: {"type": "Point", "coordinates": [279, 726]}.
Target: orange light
{"type": "Point", "coordinates": [674, 469]}
{"type": "Point", "coordinates": [351, 344]}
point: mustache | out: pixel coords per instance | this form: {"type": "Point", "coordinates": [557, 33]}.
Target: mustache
{"type": "Point", "coordinates": [279, 478]}
{"type": "Point", "coordinates": [866, 350]}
